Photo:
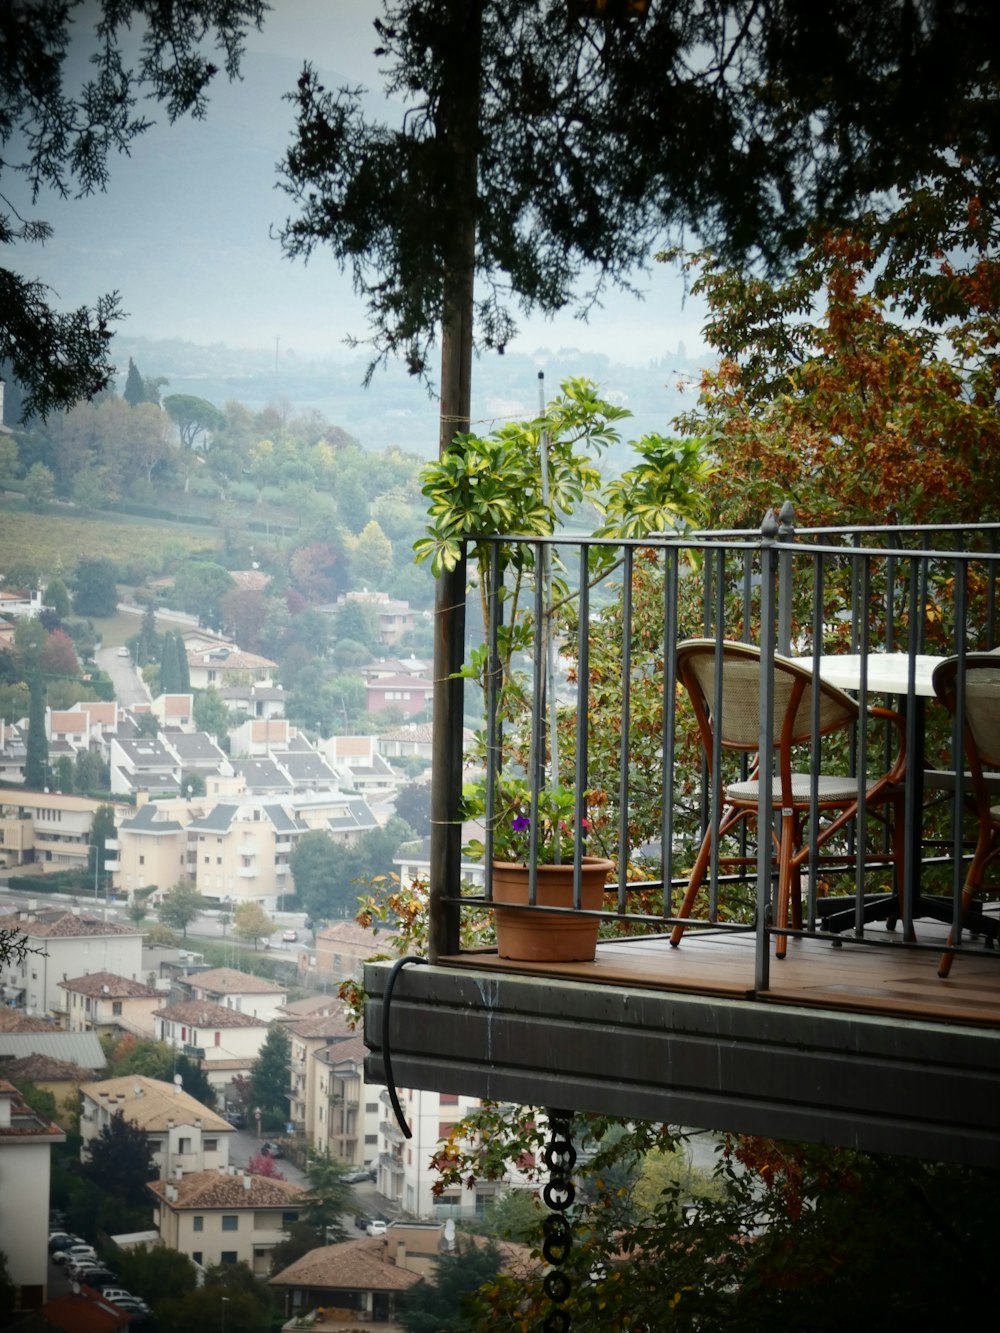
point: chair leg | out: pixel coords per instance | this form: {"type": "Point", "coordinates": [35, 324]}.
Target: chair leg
{"type": "Point", "coordinates": [944, 966]}
{"type": "Point", "coordinates": [785, 876]}
{"type": "Point", "coordinates": [700, 866]}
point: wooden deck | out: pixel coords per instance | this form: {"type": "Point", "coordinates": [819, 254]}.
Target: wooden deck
{"type": "Point", "coordinates": [881, 977]}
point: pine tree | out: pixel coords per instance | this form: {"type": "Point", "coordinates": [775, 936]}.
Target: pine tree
{"type": "Point", "coordinates": [36, 759]}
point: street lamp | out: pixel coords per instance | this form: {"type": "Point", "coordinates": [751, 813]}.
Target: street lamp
{"type": "Point", "coordinates": [225, 1302]}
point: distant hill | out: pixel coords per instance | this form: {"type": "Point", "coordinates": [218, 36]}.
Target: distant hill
{"type": "Point", "coordinates": [396, 409]}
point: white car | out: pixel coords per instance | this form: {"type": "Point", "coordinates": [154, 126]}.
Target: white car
{"type": "Point", "coordinates": [74, 1252]}
{"type": "Point", "coordinates": [376, 1228]}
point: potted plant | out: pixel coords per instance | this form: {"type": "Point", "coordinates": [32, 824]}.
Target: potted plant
{"type": "Point", "coordinates": [548, 844]}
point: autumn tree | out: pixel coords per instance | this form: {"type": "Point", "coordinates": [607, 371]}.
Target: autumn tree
{"type": "Point", "coordinates": [836, 397]}
{"type": "Point", "coordinates": [251, 922]}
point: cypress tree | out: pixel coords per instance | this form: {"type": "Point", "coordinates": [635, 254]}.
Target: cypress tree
{"type": "Point", "coordinates": [183, 669]}
{"type": "Point", "coordinates": [36, 758]}
{"type": "Point", "coordinates": [134, 392]}
{"type": "Point", "coordinates": [170, 672]}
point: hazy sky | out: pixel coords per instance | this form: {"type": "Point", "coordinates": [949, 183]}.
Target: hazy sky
{"type": "Point", "coordinates": [183, 231]}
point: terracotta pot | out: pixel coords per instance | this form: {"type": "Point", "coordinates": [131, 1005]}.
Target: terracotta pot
{"type": "Point", "coordinates": [548, 937]}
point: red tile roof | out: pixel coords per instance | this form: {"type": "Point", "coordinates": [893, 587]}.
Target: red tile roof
{"type": "Point", "coordinates": [218, 1189]}
{"type": "Point", "coordinates": [206, 1014]}
{"type": "Point", "coordinates": [110, 985]}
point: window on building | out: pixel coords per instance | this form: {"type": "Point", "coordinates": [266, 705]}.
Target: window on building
{"type": "Point", "coordinates": [199, 1223]}
{"type": "Point", "coordinates": [184, 1034]}
{"type": "Point", "coordinates": [445, 1127]}
{"type": "Point", "coordinates": [371, 1139]}
{"type": "Point", "coordinates": [371, 1106]}
{"type": "Point", "coordinates": [196, 1256]}
{"type": "Point", "coordinates": [116, 1006]}
{"type": "Point", "coordinates": [211, 1145]}
{"type": "Point", "coordinates": [218, 1039]}
{"type": "Point", "coordinates": [288, 1218]}
{"type": "Point", "coordinates": [228, 1257]}
{"type": "Point", "coordinates": [142, 860]}
{"type": "Point", "coordinates": [230, 1222]}
{"type": "Point", "coordinates": [184, 1145]}
{"type": "Point", "coordinates": [448, 1098]}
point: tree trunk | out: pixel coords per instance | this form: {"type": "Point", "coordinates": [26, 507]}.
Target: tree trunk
{"type": "Point", "coordinates": [458, 127]}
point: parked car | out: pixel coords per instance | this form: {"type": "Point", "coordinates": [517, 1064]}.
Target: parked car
{"type": "Point", "coordinates": [98, 1278]}
{"type": "Point", "coordinates": [376, 1227]}
{"type": "Point", "coordinates": [270, 1149]}
{"type": "Point", "coordinates": [289, 936]}
{"type": "Point", "coordinates": [132, 1305]}
{"type": "Point", "coordinates": [116, 1294]}
{"type": "Point", "coordinates": [75, 1251]}
{"type": "Point", "coordinates": [81, 1264]}
{"type": "Point", "coordinates": [237, 1119]}
{"type": "Point", "coordinates": [357, 1176]}
{"type": "Point", "coordinates": [62, 1240]}
{"type": "Point", "coordinates": [361, 1221]}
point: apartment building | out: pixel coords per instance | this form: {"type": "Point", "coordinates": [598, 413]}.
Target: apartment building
{"type": "Point", "coordinates": [306, 1037]}
{"type": "Point", "coordinates": [47, 829]}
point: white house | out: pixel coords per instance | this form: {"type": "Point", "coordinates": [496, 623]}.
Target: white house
{"type": "Point", "coordinates": [26, 1140]}
{"type": "Point", "coordinates": [62, 945]}
{"type": "Point", "coordinates": [183, 1135]}
{"type": "Point", "coordinates": [224, 1042]}
{"type": "Point", "coordinates": [242, 991]}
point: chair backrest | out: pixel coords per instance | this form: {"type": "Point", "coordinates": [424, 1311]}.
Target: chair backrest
{"type": "Point", "coordinates": [698, 661]}
{"type": "Point", "coordinates": [981, 697]}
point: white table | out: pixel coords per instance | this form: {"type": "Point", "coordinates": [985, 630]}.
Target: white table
{"type": "Point", "coordinates": [889, 673]}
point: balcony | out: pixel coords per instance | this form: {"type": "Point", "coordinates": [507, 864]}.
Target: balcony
{"type": "Point", "coordinates": [853, 1038]}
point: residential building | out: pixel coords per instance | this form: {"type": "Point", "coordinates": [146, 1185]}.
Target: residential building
{"type": "Point", "coordinates": [338, 1097]}
{"type": "Point", "coordinates": [26, 1140]}
{"type": "Point", "coordinates": [256, 736]}
{"type": "Point", "coordinates": [143, 764]}
{"type": "Point", "coordinates": [103, 1002]}
{"type": "Point", "coordinates": [341, 950]}
{"type": "Point", "coordinates": [247, 994]}
{"type": "Point", "coordinates": [62, 1078]}
{"type": "Point", "coordinates": [174, 712]}
{"type": "Point", "coordinates": [394, 618]}
{"type": "Point", "coordinates": [403, 1174]}
{"type": "Point", "coordinates": [153, 844]}
{"type": "Point", "coordinates": [196, 753]}
{"type": "Point", "coordinates": [413, 740]}
{"type": "Point", "coordinates": [359, 764]}
{"type": "Point", "coordinates": [64, 944]}
{"type": "Point", "coordinates": [224, 1042]}
{"type": "Point", "coordinates": [254, 702]}
{"type": "Point", "coordinates": [47, 829]}
{"type": "Point", "coordinates": [307, 1036]}
{"type": "Point", "coordinates": [408, 694]}
{"type": "Point", "coordinates": [225, 665]}
{"type": "Point", "coordinates": [359, 1283]}
{"type": "Point", "coordinates": [22, 1038]}
{"type": "Point", "coordinates": [183, 1134]}
{"type": "Point", "coordinates": [18, 602]}
{"type": "Point", "coordinates": [226, 1217]}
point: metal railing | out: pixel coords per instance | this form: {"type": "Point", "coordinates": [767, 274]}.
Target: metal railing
{"type": "Point", "coordinates": [616, 611]}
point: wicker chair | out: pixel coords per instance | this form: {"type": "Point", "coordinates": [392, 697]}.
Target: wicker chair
{"type": "Point", "coordinates": [698, 662]}
{"type": "Point", "coordinates": [981, 736]}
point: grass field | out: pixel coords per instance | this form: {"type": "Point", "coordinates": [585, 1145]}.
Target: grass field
{"type": "Point", "coordinates": [56, 539]}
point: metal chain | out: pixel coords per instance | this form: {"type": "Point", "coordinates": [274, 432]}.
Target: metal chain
{"type": "Point", "coordinates": [560, 1158]}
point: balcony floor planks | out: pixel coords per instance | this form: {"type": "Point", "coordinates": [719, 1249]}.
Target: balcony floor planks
{"type": "Point", "coordinates": [883, 978]}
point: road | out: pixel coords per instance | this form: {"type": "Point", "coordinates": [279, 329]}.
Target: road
{"type": "Point", "coordinates": [129, 688]}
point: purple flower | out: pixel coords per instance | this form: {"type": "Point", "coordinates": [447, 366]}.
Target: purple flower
{"type": "Point", "coordinates": [519, 823]}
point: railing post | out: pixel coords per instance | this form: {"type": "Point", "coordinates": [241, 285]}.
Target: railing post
{"type": "Point", "coordinates": [786, 535]}
{"type": "Point", "coordinates": [765, 746]}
